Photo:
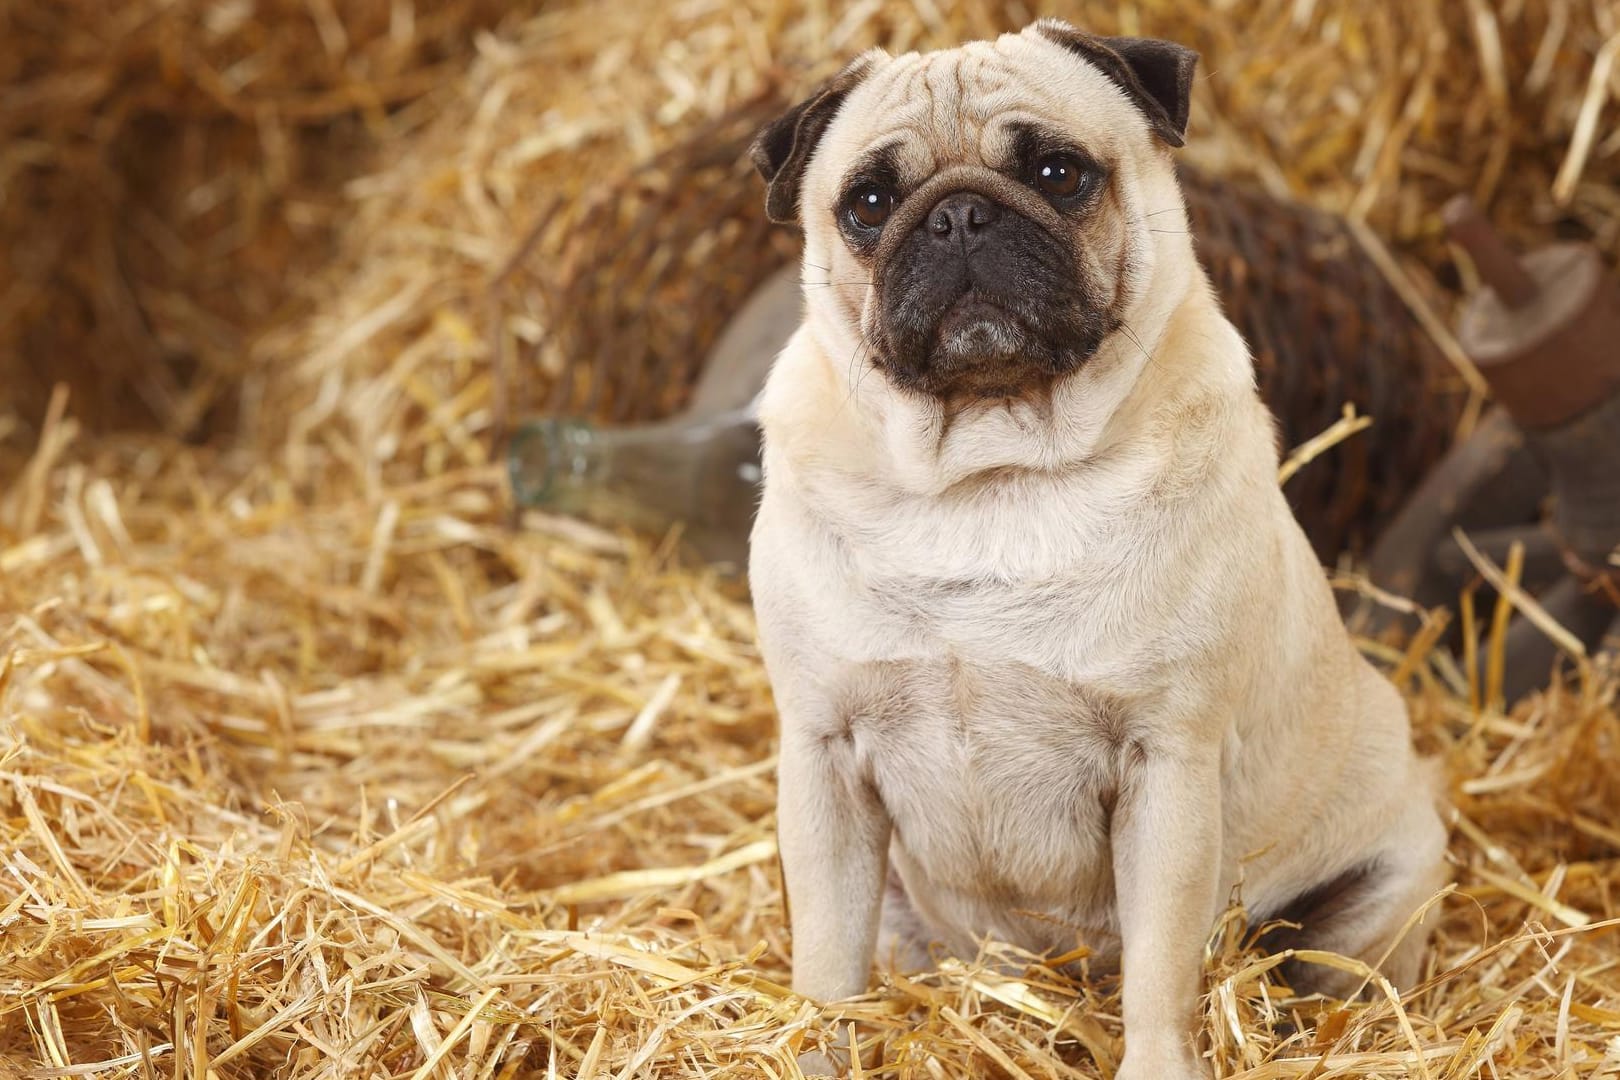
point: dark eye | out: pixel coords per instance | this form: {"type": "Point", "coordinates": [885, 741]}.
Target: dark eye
{"type": "Point", "coordinates": [871, 204]}
{"type": "Point", "coordinates": [1061, 176]}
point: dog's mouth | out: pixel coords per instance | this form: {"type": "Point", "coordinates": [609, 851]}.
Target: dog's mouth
{"type": "Point", "coordinates": [978, 322]}
{"type": "Point", "coordinates": [982, 346]}
{"type": "Point", "coordinates": [998, 314]}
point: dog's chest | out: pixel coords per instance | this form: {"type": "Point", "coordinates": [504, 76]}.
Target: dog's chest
{"type": "Point", "coordinates": [1000, 778]}
{"type": "Point", "coordinates": [997, 720]}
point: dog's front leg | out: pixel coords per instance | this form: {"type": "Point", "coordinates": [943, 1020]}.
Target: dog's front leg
{"type": "Point", "coordinates": [834, 838]}
{"type": "Point", "coordinates": [1166, 838]}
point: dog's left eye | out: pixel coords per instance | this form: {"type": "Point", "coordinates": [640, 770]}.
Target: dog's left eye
{"type": "Point", "coordinates": [1061, 176]}
{"type": "Point", "coordinates": [871, 204]}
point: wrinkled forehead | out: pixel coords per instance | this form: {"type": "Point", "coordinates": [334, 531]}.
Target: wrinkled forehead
{"type": "Point", "coordinates": [964, 106]}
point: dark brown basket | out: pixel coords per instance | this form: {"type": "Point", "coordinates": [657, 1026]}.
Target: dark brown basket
{"type": "Point", "coordinates": [641, 285]}
{"type": "Point", "coordinates": [1327, 329]}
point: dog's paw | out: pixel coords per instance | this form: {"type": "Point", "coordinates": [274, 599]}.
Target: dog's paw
{"type": "Point", "coordinates": [1162, 1067]}
{"type": "Point", "coordinates": [820, 1063]}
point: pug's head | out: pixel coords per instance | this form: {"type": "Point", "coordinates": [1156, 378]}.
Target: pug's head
{"type": "Point", "coordinates": [978, 222]}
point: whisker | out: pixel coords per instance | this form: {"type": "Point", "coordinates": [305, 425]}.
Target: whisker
{"type": "Point", "coordinates": [851, 377]}
{"type": "Point", "coordinates": [1125, 326]}
{"type": "Point", "coordinates": [1171, 232]}
{"type": "Point", "coordinates": [1156, 213]}
{"type": "Point", "coordinates": [866, 369]}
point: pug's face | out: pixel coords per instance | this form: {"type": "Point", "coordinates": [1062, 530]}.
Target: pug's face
{"type": "Point", "coordinates": [980, 220]}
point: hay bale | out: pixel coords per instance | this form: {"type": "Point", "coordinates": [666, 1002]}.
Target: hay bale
{"type": "Point", "coordinates": [168, 168]}
{"type": "Point", "coordinates": [312, 766]}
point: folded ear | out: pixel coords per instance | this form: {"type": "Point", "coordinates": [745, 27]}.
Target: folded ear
{"type": "Point", "coordinates": [1156, 74]}
{"type": "Point", "coordinates": [782, 150]}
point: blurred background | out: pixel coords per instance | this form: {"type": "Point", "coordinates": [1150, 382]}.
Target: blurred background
{"type": "Point", "coordinates": [244, 219]}
{"type": "Point", "coordinates": [311, 763]}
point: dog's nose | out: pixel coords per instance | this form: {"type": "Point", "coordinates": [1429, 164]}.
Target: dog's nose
{"type": "Point", "coordinates": [962, 214]}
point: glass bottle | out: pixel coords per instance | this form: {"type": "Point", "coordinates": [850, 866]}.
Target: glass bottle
{"type": "Point", "coordinates": [700, 470]}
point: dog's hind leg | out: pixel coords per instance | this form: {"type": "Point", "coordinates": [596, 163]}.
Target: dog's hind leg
{"type": "Point", "coordinates": [1362, 911]}
{"type": "Point", "coordinates": [903, 938]}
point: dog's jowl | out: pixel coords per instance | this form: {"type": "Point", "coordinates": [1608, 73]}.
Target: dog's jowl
{"type": "Point", "coordinates": [1054, 662]}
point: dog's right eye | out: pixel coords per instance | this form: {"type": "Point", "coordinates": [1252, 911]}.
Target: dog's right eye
{"type": "Point", "coordinates": [870, 205]}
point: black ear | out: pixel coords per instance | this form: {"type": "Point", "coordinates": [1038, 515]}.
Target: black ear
{"type": "Point", "coordinates": [1156, 74]}
{"type": "Point", "coordinates": [782, 150]}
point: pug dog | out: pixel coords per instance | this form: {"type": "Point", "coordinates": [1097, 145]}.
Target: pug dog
{"type": "Point", "coordinates": [1054, 662]}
